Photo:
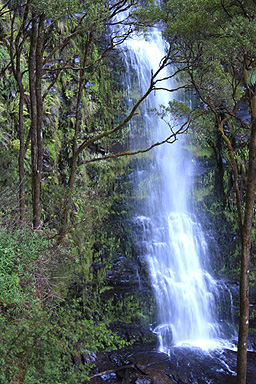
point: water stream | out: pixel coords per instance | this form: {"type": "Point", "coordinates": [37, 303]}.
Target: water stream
{"type": "Point", "coordinates": [172, 239]}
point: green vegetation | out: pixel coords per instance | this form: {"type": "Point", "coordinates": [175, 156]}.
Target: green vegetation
{"type": "Point", "coordinates": [41, 332]}
{"type": "Point", "coordinates": [62, 211]}
{"type": "Point", "coordinates": [63, 204]}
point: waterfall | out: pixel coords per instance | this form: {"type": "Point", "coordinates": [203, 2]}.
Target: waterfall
{"type": "Point", "coordinates": [172, 239]}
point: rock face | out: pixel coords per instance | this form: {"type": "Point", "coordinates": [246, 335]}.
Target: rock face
{"type": "Point", "coordinates": [132, 299]}
{"type": "Point", "coordinates": [183, 366]}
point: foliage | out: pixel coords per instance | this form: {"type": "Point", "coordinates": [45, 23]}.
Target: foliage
{"type": "Point", "coordinates": [8, 100]}
{"type": "Point", "coordinates": [42, 334]}
{"type": "Point", "coordinates": [18, 258]}
{"type": "Point", "coordinates": [52, 315]}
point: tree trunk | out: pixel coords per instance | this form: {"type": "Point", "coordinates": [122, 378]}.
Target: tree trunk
{"type": "Point", "coordinates": [32, 91]}
{"type": "Point", "coordinates": [245, 254]}
{"type": "Point", "coordinates": [16, 46]}
{"type": "Point", "coordinates": [36, 100]}
{"type": "Point", "coordinates": [21, 154]}
{"type": "Point", "coordinates": [244, 315]}
{"type": "Point", "coordinates": [22, 151]}
{"type": "Point", "coordinates": [39, 123]}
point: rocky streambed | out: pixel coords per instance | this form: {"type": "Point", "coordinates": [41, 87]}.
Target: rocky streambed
{"type": "Point", "coordinates": [182, 366]}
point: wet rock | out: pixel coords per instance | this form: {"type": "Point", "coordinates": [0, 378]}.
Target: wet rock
{"type": "Point", "coordinates": [88, 358]}
{"type": "Point", "coordinates": [143, 381]}
{"type": "Point", "coordinates": [159, 377]}
{"type": "Point", "coordinates": [182, 366]}
{"type": "Point", "coordinates": [124, 273]}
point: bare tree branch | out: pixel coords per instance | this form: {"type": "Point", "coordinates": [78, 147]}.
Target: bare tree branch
{"type": "Point", "coordinates": [151, 87]}
{"type": "Point", "coordinates": [170, 139]}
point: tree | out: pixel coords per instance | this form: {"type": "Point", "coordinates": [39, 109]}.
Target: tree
{"type": "Point", "coordinates": [217, 56]}
{"type": "Point", "coordinates": [57, 54]}
{"type": "Point", "coordinates": [50, 46]}
{"type": "Point", "coordinates": [47, 44]}
{"type": "Point", "coordinates": [38, 27]}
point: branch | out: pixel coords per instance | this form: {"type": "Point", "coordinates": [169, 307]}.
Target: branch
{"type": "Point", "coordinates": [170, 140]}
{"type": "Point", "coordinates": [225, 9]}
{"type": "Point", "coordinates": [2, 13]}
{"type": "Point", "coordinates": [92, 140]}
{"type": "Point", "coordinates": [112, 370]}
{"type": "Point", "coordinates": [172, 89]}
{"type": "Point", "coordinates": [134, 366]}
{"type": "Point", "coordinates": [120, 7]}
{"type": "Point", "coordinates": [232, 160]}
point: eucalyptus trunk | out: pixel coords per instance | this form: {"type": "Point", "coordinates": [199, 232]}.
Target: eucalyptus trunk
{"type": "Point", "coordinates": [22, 200]}
{"type": "Point", "coordinates": [15, 49]}
{"type": "Point", "coordinates": [39, 125]}
{"type": "Point", "coordinates": [22, 151]}
{"type": "Point", "coordinates": [245, 254]}
{"type": "Point", "coordinates": [36, 101]}
{"type": "Point", "coordinates": [33, 108]}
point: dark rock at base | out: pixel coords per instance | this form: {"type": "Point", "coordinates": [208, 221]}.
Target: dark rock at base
{"type": "Point", "coordinates": [143, 381]}
{"type": "Point", "coordinates": [182, 366]}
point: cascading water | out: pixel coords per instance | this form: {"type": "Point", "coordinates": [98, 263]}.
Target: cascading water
{"type": "Point", "coordinates": [172, 239]}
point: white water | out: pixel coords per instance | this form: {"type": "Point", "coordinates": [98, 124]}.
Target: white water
{"type": "Point", "coordinates": [175, 247]}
